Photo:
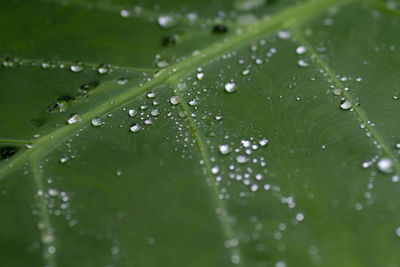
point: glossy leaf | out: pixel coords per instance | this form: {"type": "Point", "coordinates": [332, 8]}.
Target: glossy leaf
{"type": "Point", "coordinates": [200, 133]}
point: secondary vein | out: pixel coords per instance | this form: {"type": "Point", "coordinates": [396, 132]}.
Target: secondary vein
{"type": "Point", "coordinates": [380, 144]}
{"type": "Point", "coordinates": [46, 229]}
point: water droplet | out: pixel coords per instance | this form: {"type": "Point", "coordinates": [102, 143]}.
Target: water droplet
{"type": "Point", "coordinates": [215, 170]}
{"type": "Point", "coordinates": [45, 65]}
{"type": "Point", "coordinates": [301, 50]}
{"type": "Point", "coordinates": [77, 66]}
{"type": "Point", "coordinates": [155, 112]}
{"type": "Point", "coordinates": [119, 172]}
{"type": "Point", "coordinates": [246, 72]}
{"type": "Point", "coordinates": [96, 122]}
{"type": "Point", "coordinates": [74, 118]}
{"type": "Point", "coordinates": [175, 100]}
{"type": "Point", "coordinates": [259, 176]}
{"type": "Point", "coordinates": [51, 249]}
{"type": "Point", "coordinates": [200, 76]}
{"type": "Point", "coordinates": [299, 217]}
{"type": "Point", "coordinates": [8, 152]}
{"type": "Point", "coordinates": [346, 104]}
{"type": "Point", "coordinates": [337, 91]}
{"type": "Point", "coordinates": [132, 112]}
{"type": "Point", "coordinates": [385, 165]}
{"type": "Point", "coordinates": [284, 34]}
{"type": "Point", "coordinates": [165, 21]}
{"type": "Point", "coordinates": [397, 145]}
{"type": "Point", "coordinates": [85, 88]}
{"type": "Point", "coordinates": [162, 63]}
{"type": "Point", "coordinates": [302, 63]}
{"type": "Point", "coordinates": [242, 159]}
{"type": "Point", "coordinates": [103, 69]}
{"type": "Point", "coordinates": [254, 187]}
{"type": "Point", "coordinates": [225, 149]}
{"type": "Point", "coordinates": [263, 142]}
{"type": "Point", "coordinates": [280, 264]}
{"type": "Point", "coordinates": [135, 128]}
{"type": "Point", "coordinates": [267, 187]}
{"type": "Point", "coordinates": [230, 87]}
{"type": "Point", "coordinates": [125, 13]}
{"type": "Point", "coordinates": [122, 81]}
{"type": "Point", "coordinates": [64, 159]}
{"type": "Point", "coordinates": [235, 259]}
{"type": "Point", "coordinates": [358, 79]}
{"type": "Point", "coordinates": [151, 94]}
{"type": "Point", "coordinates": [395, 178]}
{"type": "Point", "coordinates": [8, 62]}
{"type": "Point", "coordinates": [398, 231]}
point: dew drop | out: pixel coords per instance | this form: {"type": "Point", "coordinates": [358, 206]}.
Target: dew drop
{"type": "Point", "coordinates": [77, 66]}
{"type": "Point", "coordinates": [74, 118]}
{"type": "Point", "coordinates": [165, 21]}
{"type": "Point", "coordinates": [242, 159]}
{"type": "Point", "coordinates": [230, 87]}
{"type": "Point", "coordinates": [168, 41]}
{"type": "Point", "coordinates": [215, 170]}
{"type": "Point", "coordinates": [280, 264]}
{"type": "Point", "coordinates": [398, 231]}
{"type": "Point", "coordinates": [224, 149]}
{"type": "Point", "coordinates": [385, 165]}
{"type": "Point", "coordinates": [246, 72]}
{"type": "Point", "coordinates": [299, 217]}
{"type": "Point", "coordinates": [155, 112]}
{"type": "Point", "coordinates": [235, 259]}
{"type": "Point", "coordinates": [45, 65]}
{"type": "Point", "coordinates": [132, 112]}
{"type": "Point", "coordinates": [200, 76]}
{"type": "Point", "coordinates": [220, 28]}
{"type": "Point", "coordinates": [397, 145]}
{"type": "Point", "coordinates": [103, 69]}
{"type": "Point", "coordinates": [284, 34]}
{"type": "Point", "coordinates": [96, 122]}
{"type": "Point", "coordinates": [301, 50]}
{"type": "Point", "coordinates": [263, 142]}
{"type": "Point", "coordinates": [174, 100]}
{"type": "Point", "coordinates": [254, 187]}
{"type": "Point", "coordinates": [302, 63]}
{"type": "Point", "coordinates": [135, 128]}
{"type": "Point", "coordinates": [346, 104]}
{"type": "Point", "coordinates": [125, 13]}
{"type": "Point", "coordinates": [64, 159]}
{"type": "Point", "coordinates": [122, 81]}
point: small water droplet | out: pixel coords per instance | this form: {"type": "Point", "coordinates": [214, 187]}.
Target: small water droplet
{"type": "Point", "coordinates": [397, 145]}
{"type": "Point", "coordinates": [235, 259]}
{"type": "Point", "coordinates": [122, 81]}
{"type": "Point", "coordinates": [132, 112]}
{"type": "Point", "coordinates": [174, 100]}
{"type": "Point", "coordinates": [398, 231]}
{"type": "Point", "coordinates": [135, 128]}
{"type": "Point", "coordinates": [155, 112]}
{"type": "Point", "coordinates": [302, 63]}
{"type": "Point", "coordinates": [246, 72]}
{"type": "Point", "coordinates": [346, 104]}
{"type": "Point", "coordinates": [151, 94]}
{"type": "Point", "coordinates": [230, 87]}
{"type": "Point", "coordinates": [280, 264]}
{"type": "Point", "coordinates": [215, 170]}
{"type": "Point", "coordinates": [299, 217]}
{"type": "Point", "coordinates": [168, 41]}
{"type": "Point", "coordinates": [96, 122]}
{"type": "Point", "coordinates": [45, 65]}
{"type": "Point", "coordinates": [200, 76]}
{"type": "Point", "coordinates": [225, 149]}
{"type": "Point", "coordinates": [103, 69]}
{"type": "Point", "coordinates": [64, 159]}
{"type": "Point", "coordinates": [385, 165]}
{"type": "Point", "coordinates": [125, 13]}
{"type": "Point", "coordinates": [284, 34]}
{"type": "Point", "coordinates": [165, 21]}
{"type": "Point", "coordinates": [263, 142]}
{"type": "Point", "coordinates": [74, 118]}
{"type": "Point", "coordinates": [254, 187]}
{"type": "Point", "coordinates": [242, 159]}
{"type": "Point", "coordinates": [77, 66]}
{"type": "Point", "coordinates": [301, 50]}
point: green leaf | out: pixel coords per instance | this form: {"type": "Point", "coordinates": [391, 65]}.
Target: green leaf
{"type": "Point", "coordinates": [200, 133]}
